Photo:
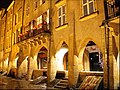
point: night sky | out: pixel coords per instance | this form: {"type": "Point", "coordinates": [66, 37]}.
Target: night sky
{"type": "Point", "coordinates": [5, 3]}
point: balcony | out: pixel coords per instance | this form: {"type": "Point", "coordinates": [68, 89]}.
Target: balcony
{"type": "Point", "coordinates": [37, 30]}
{"type": "Point", "coordinates": [112, 9]}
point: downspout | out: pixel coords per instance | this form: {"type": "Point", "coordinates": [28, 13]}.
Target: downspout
{"type": "Point", "coordinates": [49, 38]}
{"type": "Point", "coordinates": [106, 40]}
{"type": "Point", "coordinates": [23, 16]}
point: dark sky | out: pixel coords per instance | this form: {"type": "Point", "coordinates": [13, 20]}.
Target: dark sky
{"type": "Point", "coordinates": [5, 3]}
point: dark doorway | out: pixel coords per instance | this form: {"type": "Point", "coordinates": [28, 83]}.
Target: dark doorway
{"type": "Point", "coordinates": [94, 62]}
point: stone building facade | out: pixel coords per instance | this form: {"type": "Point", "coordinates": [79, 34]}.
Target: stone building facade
{"type": "Point", "coordinates": [41, 37]}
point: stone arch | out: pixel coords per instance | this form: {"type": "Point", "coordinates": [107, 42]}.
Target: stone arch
{"type": "Point", "coordinates": [58, 46]}
{"type": "Point", "coordinates": [60, 53]}
{"type": "Point", "coordinates": [42, 58]}
{"type": "Point", "coordinates": [116, 69]}
{"type": "Point", "coordinates": [36, 50]}
{"type": "Point", "coordinates": [14, 53]}
{"type": "Point", "coordinates": [12, 61]}
{"type": "Point", "coordinates": [83, 44]}
{"type": "Point", "coordinates": [22, 67]}
{"type": "Point", "coordinates": [82, 51]}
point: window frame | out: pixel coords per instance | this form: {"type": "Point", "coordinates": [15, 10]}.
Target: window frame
{"type": "Point", "coordinates": [87, 3]}
{"type": "Point", "coordinates": [35, 5]}
{"type": "Point", "coordinates": [39, 20]}
{"type": "Point", "coordinates": [27, 9]}
{"type": "Point", "coordinates": [61, 15]}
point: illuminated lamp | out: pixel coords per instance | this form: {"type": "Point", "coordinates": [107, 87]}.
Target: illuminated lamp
{"type": "Point", "coordinates": [44, 22]}
{"type": "Point", "coordinates": [26, 33]}
{"type": "Point", "coordinates": [34, 28]}
{"type": "Point", "coordinates": [40, 24]}
{"type": "Point", "coordinates": [20, 35]}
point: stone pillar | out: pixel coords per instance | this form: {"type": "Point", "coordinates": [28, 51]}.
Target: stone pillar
{"type": "Point", "coordinates": [50, 69]}
{"type": "Point", "coordinates": [108, 60]}
{"type": "Point", "coordinates": [28, 70]}
{"type": "Point", "coordinates": [72, 63]}
{"type": "Point", "coordinates": [111, 74]}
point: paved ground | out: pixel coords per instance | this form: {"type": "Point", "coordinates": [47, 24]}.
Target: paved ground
{"type": "Point", "coordinates": [11, 83]}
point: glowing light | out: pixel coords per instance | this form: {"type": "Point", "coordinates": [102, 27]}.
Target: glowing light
{"type": "Point", "coordinates": [15, 63]}
{"type": "Point", "coordinates": [59, 58]}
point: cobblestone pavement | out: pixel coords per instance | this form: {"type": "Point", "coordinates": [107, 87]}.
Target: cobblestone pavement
{"type": "Point", "coordinates": [14, 84]}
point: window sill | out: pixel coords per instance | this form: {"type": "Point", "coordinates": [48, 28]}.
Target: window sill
{"type": "Point", "coordinates": [61, 27]}
{"type": "Point", "coordinates": [94, 14]}
{"type": "Point", "coordinates": [60, 2]}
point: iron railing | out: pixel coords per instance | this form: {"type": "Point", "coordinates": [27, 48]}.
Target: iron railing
{"type": "Point", "coordinates": [112, 8]}
{"type": "Point", "coordinates": [33, 33]}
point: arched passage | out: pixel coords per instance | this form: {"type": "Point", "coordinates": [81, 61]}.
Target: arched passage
{"type": "Point", "coordinates": [42, 58]}
{"type": "Point", "coordinates": [14, 62]}
{"type": "Point", "coordinates": [92, 58]}
{"type": "Point", "coordinates": [23, 68]}
{"type": "Point", "coordinates": [62, 57]}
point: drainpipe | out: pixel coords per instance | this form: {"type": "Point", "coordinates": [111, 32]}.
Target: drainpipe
{"type": "Point", "coordinates": [107, 52]}
{"type": "Point", "coordinates": [105, 23]}
{"type": "Point", "coordinates": [23, 15]}
{"type": "Point", "coordinates": [49, 38]}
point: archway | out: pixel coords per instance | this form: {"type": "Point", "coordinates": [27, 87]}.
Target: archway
{"type": "Point", "coordinates": [92, 58]}
{"type": "Point", "coordinates": [41, 63]}
{"type": "Point", "coordinates": [42, 58]}
{"type": "Point", "coordinates": [23, 68]}
{"type": "Point", "coordinates": [14, 62]}
{"type": "Point", "coordinates": [62, 58]}
{"type": "Point", "coordinates": [5, 64]}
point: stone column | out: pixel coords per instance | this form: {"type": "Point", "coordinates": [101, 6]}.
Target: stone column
{"type": "Point", "coordinates": [108, 60]}
{"type": "Point", "coordinates": [72, 68]}
{"type": "Point", "coordinates": [28, 70]}
{"type": "Point", "coordinates": [110, 51]}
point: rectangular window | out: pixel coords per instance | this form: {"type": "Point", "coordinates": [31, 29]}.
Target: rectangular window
{"type": "Point", "coordinates": [17, 33]}
{"type": "Point", "coordinates": [27, 9]}
{"type": "Point", "coordinates": [35, 5]}
{"type": "Point", "coordinates": [19, 14]}
{"type": "Point", "coordinates": [88, 7]}
{"type": "Point", "coordinates": [61, 15]}
{"type": "Point", "coordinates": [39, 22]}
{"type": "Point", "coordinates": [15, 19]}
{"type": "Point", "coordinates": [42, 2]}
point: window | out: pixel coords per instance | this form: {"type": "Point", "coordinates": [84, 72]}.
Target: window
{"type": "Point", "coordinates": [19, 14]}
{"type": "Point", "coordinates": [35, 5]}
{"type": "Point", "coordinates": [27, 9]}
{"type": "Point", "coordinates": [46, 20]}
{"type": "Point", "coordinates": [39, 21]}
{"type": "Point", "coordinates": [61, 15]}
{"type": "Point", "coordinates": [88, 7]}
{"type": "Point", "coordinates": [16, 18]}
{"type": "Point", "coordinates": [17, 33]}
{"type": "Point", "coordinates": [41, 1]}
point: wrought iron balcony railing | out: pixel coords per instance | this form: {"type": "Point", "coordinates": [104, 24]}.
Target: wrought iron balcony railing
{"type": "Point", "coordinates": [34, 32]}
{"type": "Point", "coordinates": [112, 8]}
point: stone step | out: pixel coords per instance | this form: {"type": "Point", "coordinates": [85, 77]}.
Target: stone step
{"type": "Point", "coordinates": [62, 84]}
{"type": "Point", "coordinates": [63, 87]}
{"type": "Point", "coordinates": [63, 81]}
{"type": "Point", "coordinates": [41, 79]}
